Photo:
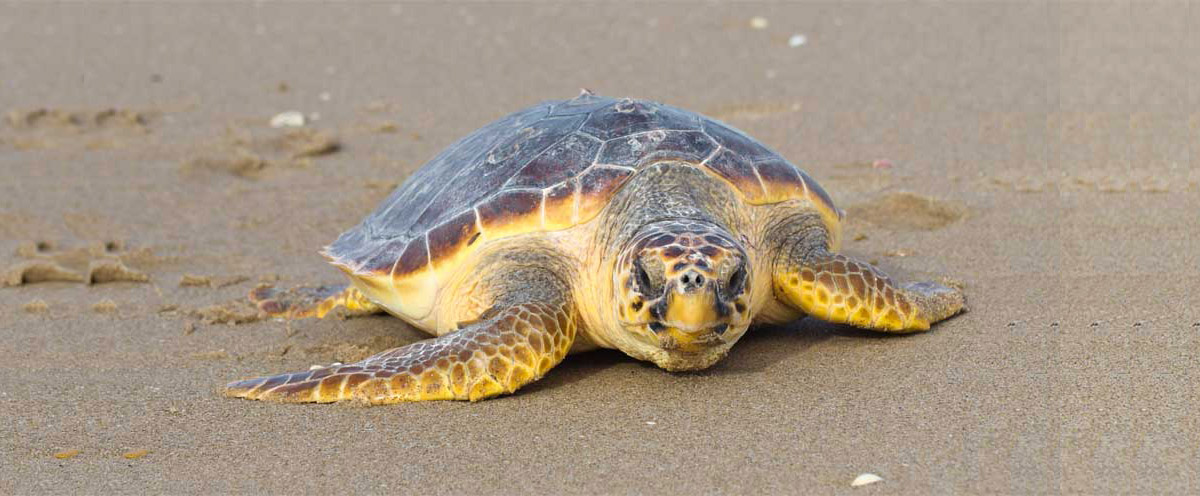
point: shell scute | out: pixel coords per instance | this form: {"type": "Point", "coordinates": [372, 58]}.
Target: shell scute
{"type": "Point", "coordinates": [403, 213]}
{"type": "Point", "coordinates": [596, 186]}
{"type": "Point", "coordinates": [560, 205]}
{"type": "Point", "coordinates": [509, 208]}
{"type": "Point", "coordinates": [638, 149]}
{"type": "Point", "coordinates": [815, 189]}
{"type": "Point", "coordinates": [780, 179]}
{"type": "Point", "coordinates": [743, 145]}
{"type": "Point", "coordinates": [629, 116]}
{"type": "Point", "coordinates": [562, 161]}
{"type": "Point", "coordinates": [383, 258]}
{"type": "Point", "coordinates": [455, 234]}
{"type": "Point", "coordinates": [525, 143]}
{"type": "Point", "coordinates": [414, 259]}
{"type": "Point", "coordinates": [739, 172]}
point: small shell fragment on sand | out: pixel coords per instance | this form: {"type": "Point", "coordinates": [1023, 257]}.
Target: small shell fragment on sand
{"type": "Point", "coordinates": [865, 479]}
{"type": "Point", "coordinates": [291, 118]}
{"type": "Point", "coordinates": [134, 455]}
{"type": "Point", "coordinates": [758, 22]}
{"type": "Point", "coordinates": [797, 40]}
{"type": "Point", "coordinates": [63, 455]}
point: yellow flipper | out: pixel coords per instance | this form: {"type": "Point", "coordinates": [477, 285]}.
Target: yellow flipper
{"type": "Point", "coordinates": [839, 289]}
{"type": "Point", "coordinates": [312, 301]}
{"type": "Point", "coordinates": [516, 346]}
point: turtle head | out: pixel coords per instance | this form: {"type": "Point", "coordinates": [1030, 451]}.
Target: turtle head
{"type": "Point", "coordinates": [681, 292]}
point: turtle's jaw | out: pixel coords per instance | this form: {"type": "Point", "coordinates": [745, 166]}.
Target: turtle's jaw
{"type": "Point", "coordinates": [678, 350]}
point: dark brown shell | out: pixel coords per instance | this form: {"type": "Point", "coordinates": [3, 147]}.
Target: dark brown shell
{"type": "Point", "coordinates": [549, 167]}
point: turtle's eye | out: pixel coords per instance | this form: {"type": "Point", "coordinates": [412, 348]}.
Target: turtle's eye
{"type": "Point", "coordinates": [736, 282]}
{"type": "Point", "coordinates": [643, 279]}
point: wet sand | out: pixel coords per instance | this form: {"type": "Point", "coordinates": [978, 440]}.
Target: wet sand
{"type": "Point", "coordinates": [1041, 155]}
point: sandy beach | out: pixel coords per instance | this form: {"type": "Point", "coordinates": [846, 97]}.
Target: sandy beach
{"type": "Point", "coordinates": [1040, 154]}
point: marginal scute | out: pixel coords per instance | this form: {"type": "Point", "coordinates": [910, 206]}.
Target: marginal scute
{"type": "Point", "coordinates": [780, 180]}
{"type": "Point", "coordinates": [739, 172]}
{"type": "Point", "coordinates": [451, 237]}
{"type": "Point", "coordinates": [596, 187]}
{"type": "Point", "coordinates": [559, 206]}
{"type": "Point", "coordinates": [503, 211]}
{"type": "Point", "coordinates": [816, 191]}
{"type": "Point", "coordinates": [415, 258]}
{"type": "Point", "coordinates": [749, 148]}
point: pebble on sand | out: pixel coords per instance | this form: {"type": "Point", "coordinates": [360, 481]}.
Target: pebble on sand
{"type": "Point", "coordinates": [36, 306]}
{"type": "Point", "coordinates": [865, 479]}
{"type": "Point", "coordinates": [290, 118]}
{"type": "Point", "coordinates": [797, 40]}
{"type": "Point", "coordinates": [758, 22]}
{"type": "Point", "coordinates": [104, 306]}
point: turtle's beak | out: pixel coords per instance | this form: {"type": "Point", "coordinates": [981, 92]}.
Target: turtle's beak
{"type": "Point", "coordinates": [691, 316]}
{"type": "Point", "coordinates": [691, 308]}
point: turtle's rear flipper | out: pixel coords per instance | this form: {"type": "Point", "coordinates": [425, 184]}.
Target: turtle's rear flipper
{"type": "Point", "coordinates": [312, 301]}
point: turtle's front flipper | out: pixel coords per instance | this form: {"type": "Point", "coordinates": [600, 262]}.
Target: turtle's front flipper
{"type": "Point", "coordinates": [529, 332]}
{"type": "Point", "coordinates": [312, 301]}
{"type": "Point", "coordinates": [840, 289]}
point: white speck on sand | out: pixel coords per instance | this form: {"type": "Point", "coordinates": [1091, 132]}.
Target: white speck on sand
{"type": "Point", "coordinates": [290, 118]}
{"type": "Point", "coordinates": [866, 478]}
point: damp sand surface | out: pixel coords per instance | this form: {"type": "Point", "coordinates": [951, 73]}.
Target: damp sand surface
{"type": "Point", "coordinates": [1006, 147]}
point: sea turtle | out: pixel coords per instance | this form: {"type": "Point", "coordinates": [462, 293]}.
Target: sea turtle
{"type": "Point", "coordinates": [592, 222]}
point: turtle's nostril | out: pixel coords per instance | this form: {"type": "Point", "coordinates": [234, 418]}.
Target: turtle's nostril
{"type": "Point", "coordinates": [691, 280]}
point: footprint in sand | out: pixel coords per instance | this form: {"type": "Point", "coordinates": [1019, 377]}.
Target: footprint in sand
{"type": "Point", "coordinates": [98, 263]}
{"type": "Point", "coordinates": [252, 153]}
{"type": "Point", "coordinates": [905, 211]}
{"type": "Point", "coordinates": [29, 129]}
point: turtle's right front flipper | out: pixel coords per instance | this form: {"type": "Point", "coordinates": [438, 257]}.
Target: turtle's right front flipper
{"type": "Point", "coordinates": [529, 332]}
{"type": "Point", "coordinates": [312, 301]}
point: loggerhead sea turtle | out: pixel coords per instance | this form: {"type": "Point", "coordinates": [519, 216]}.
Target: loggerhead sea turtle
{"type": "Point", "coordinates": [586, 223]}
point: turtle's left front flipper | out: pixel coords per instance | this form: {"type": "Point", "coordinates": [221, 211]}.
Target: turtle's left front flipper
{"type": "Point", "coordinates": [312, 301]}
{"type": "Point", "coordinates": [840, 289]}
{"type": "Point", "coordinates": [528, 332]}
